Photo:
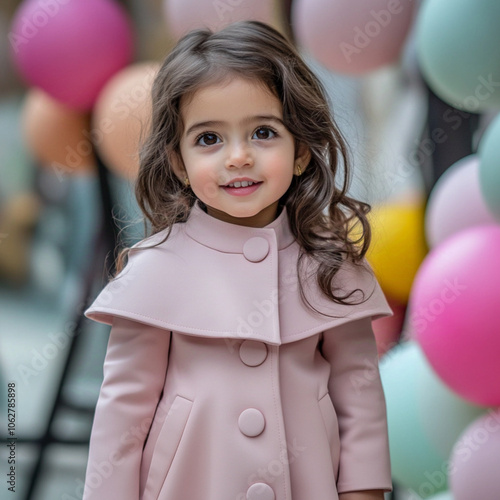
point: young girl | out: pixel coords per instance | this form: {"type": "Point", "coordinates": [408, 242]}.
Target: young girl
{"type": "Point", "coordinates": [241, 362]}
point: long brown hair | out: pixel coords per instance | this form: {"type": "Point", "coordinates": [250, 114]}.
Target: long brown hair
{"type": "Point", "coordinates": [320, 212]}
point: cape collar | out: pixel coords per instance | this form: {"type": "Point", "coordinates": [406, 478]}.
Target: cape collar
{"type": "Point", "coordinates": [230, 238]}
{"type": "Point", "coordinates": [183, 285]}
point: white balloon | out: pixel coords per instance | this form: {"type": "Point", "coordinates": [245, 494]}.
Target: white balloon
{"type": "Point", "coordinates": [456, 202]}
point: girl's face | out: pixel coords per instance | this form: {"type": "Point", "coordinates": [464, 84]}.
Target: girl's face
{"type": "Point", "coordinates": [234, 133]}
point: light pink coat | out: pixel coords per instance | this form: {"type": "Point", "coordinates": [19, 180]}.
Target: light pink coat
{"type": "Point", "coordinates": [220, 384]}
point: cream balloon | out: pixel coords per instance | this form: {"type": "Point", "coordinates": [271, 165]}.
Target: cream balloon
{"type": "Point", "coordinates": [184, 15]}
{"type": "Point", "coordinates": [121, 117]}
{"type": "Point", "coordinates": [57, 136]}
{"type": "Point", "coordinates": [473, 473]}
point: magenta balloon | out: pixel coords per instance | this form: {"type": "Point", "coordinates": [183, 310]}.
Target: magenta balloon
{"type": "Point", "coordinates": [475, 458]}
{"type": "Point", "coordinates": [353, 36]}
{"type": "Point", "coordinates": [456, 202]}
{"type": "Point", "coordinates": [453, 312]}
{"type": "Point", "coordinates": [70, 48]}
{"type": "Point", "coordinates": [184, 15]}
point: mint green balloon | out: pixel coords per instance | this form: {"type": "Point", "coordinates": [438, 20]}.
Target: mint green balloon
{"type": "Point", "coordinates": [458, 48]}
{"type": "Point", "coordinates": [415, 462]}
{"type": "Point", "coordinates": [447, 495]}
{"type": "Point", "coordinates": [443, 414]}
{"type": "Point", "coordinates": [489, 165]}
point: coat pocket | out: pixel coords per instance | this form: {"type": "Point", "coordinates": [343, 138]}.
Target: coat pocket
{"type": "Point", "coordinates": [332, 430]}
{"type": "Point", "coordinates": [166, 446]}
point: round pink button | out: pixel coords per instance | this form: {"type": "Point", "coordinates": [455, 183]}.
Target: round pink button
{"type": "Point", "coordinates": [256, 249]}
{"type": "Point", "coordinates": [251, 422]}
{"type": "Point", "coordinates": [253, 353]}
{"type": "Point", "coordinates": [260, 491]}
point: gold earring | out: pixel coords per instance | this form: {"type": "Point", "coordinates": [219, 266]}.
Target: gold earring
{"type": "Point", "coordinates": [186, 181]}
{"type": "Point", "coordinates": [299, 170]}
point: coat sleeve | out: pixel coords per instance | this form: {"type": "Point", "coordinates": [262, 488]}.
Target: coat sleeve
{"type": "Point", "coordinates": [134, 375]}
{"type": "Point", "coordinates": [357, 395]}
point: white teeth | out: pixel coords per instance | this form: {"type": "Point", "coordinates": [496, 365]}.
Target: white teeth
{"type": "Point", "coordinates": [241, 184]}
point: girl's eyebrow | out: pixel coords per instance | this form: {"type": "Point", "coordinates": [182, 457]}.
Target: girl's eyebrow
{"type": "Point", "coordinates": [248, 119]}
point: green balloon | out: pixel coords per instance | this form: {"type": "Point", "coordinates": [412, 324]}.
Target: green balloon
{"type": "Point", "coordinates": [442, 496]}
{"type": "Point", "coordinates": [458, 48]}
{"type": "Point", "coordinates": [489, 166]}
{"type": "Point", "coordinates": [415, 462]}
{"type": "Point", "coordinates": [443, 414]}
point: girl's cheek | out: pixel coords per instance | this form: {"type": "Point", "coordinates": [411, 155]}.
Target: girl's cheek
{"type": "Point", "coordinates": [207, 183]}
{"type": "Point", "coordinates": [207, 192]}
{"type": "Point", "coordinates": [279, 164]}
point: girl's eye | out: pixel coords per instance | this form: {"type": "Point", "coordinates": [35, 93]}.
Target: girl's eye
{"type": "Point", "coordinates": [266, 131]}
{"type": "Point", "coordinates": [209, 139]}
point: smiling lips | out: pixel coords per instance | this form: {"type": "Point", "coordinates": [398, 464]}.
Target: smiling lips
{"type": "Point", "coordinates": [241, 187]}
{"type": "Point", "coordinates": [238, 184]}
{"type": "Point", "coordinates": [241, 182]}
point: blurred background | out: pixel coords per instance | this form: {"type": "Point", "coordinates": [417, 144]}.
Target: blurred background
{"type": "Point", "coordinates": [415, 88]}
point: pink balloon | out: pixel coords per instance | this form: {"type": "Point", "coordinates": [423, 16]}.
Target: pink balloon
{"type": "Point", "coordinates": [453, 312]}
{"type": "Point", "coordinates": [456, 202]}
{"type": "Point", "coordinates": [475, 458]}
{"type": "Point", "coordinates": [353, 36]}
{"type": "Point", "coordinates": [70, 48]}
{"type": "Point", "coordinates": [185, 15]}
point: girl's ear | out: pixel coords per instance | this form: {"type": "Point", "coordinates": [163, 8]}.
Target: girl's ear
{"type": "Point", "coordinates": [177, 164]}
{"type": "Point", "coordinates": [303, 156]}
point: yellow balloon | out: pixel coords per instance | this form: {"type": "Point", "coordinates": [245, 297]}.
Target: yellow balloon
{"type": "Point", "coordinates": [398, 247]}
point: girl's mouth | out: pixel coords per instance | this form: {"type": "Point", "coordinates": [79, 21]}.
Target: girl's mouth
{"type": "Point", "coordinates": [242, 188]}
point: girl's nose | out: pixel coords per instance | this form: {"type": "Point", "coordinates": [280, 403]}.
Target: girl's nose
{"type": "Point", "coordinates": [239, 155]}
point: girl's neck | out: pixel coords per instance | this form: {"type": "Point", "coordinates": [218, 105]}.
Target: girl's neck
{"type": "Point", "coordinates": [204, 208]}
